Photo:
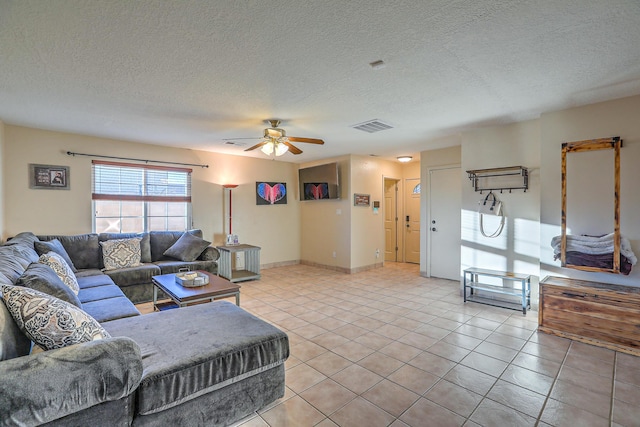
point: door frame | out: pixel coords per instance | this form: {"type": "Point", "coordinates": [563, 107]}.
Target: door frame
{"type": "Point", "coordinates": [399, 212]}
{"type": "Point", "coordinates": [405, 191]}
{"type": "Point", "coordinates": [424, 228]}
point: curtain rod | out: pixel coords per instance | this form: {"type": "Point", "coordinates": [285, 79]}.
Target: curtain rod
{"type": "Point", "coordinates": [71, 153]}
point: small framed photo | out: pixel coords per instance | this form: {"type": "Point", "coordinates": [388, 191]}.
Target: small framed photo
{"type": "Point", "coordinates": [361, 199]}
{"type": "Point", "coordinates": [48, 177]}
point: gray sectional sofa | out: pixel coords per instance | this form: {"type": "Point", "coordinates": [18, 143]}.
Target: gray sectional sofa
{"type": "Point", "coordinates": [135, 282]}
{"type": "Point", "coordinates": [204, 365]}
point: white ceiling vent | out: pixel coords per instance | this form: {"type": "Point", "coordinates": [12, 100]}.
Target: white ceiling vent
{"type": "Point", "coordinates": [372, 126]}
{"type": "Point", "coordinates": [236, 143]}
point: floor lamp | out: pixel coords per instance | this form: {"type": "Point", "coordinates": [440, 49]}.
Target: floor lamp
{"type": "Point", "coordinates": [231, 239]}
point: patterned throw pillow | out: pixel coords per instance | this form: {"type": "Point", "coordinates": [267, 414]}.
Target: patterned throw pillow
{"type": "Point", "coordinates": [62, 269]}
{"type": "Point", "coordinates": [48, 321]}
{"type": "Point", "coordinates": [121, 253]}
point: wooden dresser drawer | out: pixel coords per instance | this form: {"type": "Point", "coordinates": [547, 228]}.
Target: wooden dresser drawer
{"type": "Point", "coordinates": [591, 312]}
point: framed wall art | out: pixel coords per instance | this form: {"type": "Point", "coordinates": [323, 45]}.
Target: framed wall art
{"type": "Point", "coordinates": [271, 193]}
{"type": "Point", "coordinates": [48, 177]}
{"type": "Point", "coordinates": [361, 199]}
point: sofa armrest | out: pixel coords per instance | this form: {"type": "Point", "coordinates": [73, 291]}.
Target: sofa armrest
{"type": "Point", "coordinates": [49, 385]}
{"type": "Point", "coordinates": [210, 254]}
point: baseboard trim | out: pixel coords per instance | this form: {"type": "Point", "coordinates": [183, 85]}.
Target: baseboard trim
{"type": "Point", "coordinates": [278, 264]}
{"type": "Point", "coordinates": [342, 269]}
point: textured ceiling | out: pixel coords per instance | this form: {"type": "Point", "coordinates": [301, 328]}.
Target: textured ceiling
{"type": "Point", "coordinates": [196, 73]}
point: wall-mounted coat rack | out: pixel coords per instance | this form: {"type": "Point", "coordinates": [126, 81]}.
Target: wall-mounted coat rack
{"type": "Point", "coordinates": [508, 178]}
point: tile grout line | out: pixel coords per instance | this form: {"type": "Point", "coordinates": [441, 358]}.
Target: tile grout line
{"type": "Point", "coordinates": [553, 384]}
{"type": "Point", "coordinates": [613, 387]}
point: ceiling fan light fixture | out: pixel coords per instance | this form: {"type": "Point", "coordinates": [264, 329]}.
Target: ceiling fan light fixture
{"type": "Point", "coordinates": [281, 149]}
{"type": "Point", "coordinates": [276, 147]}
{"type": "Point", "coordinates": [267, 148]}
{"type": "Point", "coordinates": [404, 159]}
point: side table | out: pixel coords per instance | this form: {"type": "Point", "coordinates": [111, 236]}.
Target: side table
{"type": "Point", "coordinates": [251, 262]}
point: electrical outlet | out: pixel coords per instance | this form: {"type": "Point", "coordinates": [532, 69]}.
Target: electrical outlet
{"type": "Point", "coordinates": [377, 253]}
{"type": "Point", "coordinates": [334, 254]}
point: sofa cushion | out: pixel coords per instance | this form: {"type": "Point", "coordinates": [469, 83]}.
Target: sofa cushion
{"type": "Point", "coordinates": [190, 351]}
{"type": "Point", "coordinates": [110, 309]}
{"type": "Point", "coordinates": [26, 238]}
{"type": "Point", "coordinates": [145, 246]}
{"type": "Point", "coordinates": [187, 248]}
{"type": "Point", "coordinates": [94, 280]}
{"type": "Point", "coordinates": [11, 267]}
{"type": "Point", "coordinates": [42, 278]}
{"type": "Point", "coordinates": [50, 387]}
{"type": "Point", "coordinates": [13, 342]}
{"type": "Point", "coordinates": [97, 293]}
{"type": "Point", "coordinates": [61, 268]}
{"type": "Point", "coordinates": [167, 267]}
{"type": "Point", "coordinates": [54, 246]}
{"type": "Point", "coordinates": [133, 275]}
{"type": "Point", "coordinates": [121, 253]}
{"type": "Point", "coordinates": [50, 322]}
{"type": "Point", "coordinates": [83, 249]}
{"type": "Point", "coordinates": [162, 240]}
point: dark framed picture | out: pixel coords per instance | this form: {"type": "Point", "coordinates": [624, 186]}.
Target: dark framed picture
{"type": "Point", "coordinates": [316, 190]}
{"type": "Point", "coordinates": [271, 193]}
{"type": "Point", "coordinates": [361, 199]}
{"type": "Point", "coordinates": [48, 177]}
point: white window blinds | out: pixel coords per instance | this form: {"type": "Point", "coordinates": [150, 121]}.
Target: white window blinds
{"type": "Point", "coordinates": [132, 182]}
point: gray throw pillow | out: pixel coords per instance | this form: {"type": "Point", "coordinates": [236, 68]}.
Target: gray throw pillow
{"type": "Point", "coordinates": [187, 248]}
{"type": "Point", "coordinates": [54, 246]}
{"type": "Point", "coordinates": [42, 278]}
{"type": "Point", "coordinates": [50, 322]}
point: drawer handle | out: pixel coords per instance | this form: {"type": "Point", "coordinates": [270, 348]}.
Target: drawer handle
{"type": "Point", "coordinates": [569, 294]}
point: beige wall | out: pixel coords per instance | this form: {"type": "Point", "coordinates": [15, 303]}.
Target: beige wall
{"type": "Point", "coordinates": [325, 224]}
{"type": "Point", "coordinates": [606, 119]}
{"type": "Point", "coordinates": [1, 181]}
{"type": "Point", "coordinates": [352, 232]}
{"type": "Point", "coordinates": [275, 228]}
{"type": "Point", "coordinates": [367, 227]}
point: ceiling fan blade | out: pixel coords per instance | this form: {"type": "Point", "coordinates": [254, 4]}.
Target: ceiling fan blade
{"type": "Point", "coordinates": [292, 148]}
{"type": "Point", "coordinates": [258, 145]}
{"type": "Point", "coordinates": [308, 140]}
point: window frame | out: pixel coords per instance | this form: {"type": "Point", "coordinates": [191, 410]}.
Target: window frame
{"type": "Point", "coordinates": [144, 198]}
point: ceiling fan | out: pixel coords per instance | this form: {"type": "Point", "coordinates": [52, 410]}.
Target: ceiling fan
{"type": "Point", "coordinates": [275, 141]}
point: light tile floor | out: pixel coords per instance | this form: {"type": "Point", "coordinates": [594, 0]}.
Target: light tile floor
{"type": "Point", "coordinates": [387, 347]}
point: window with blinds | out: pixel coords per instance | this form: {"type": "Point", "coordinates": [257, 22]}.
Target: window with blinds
{"type": "Point", "coordinates": [131, 198]}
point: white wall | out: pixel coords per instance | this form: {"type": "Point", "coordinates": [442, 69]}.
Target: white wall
{"type": "Point", "coordinates": [432, 159]}
{"type": "Point", "coordinates": [606, 119]}
{"type": "Point", "coordinates": [517, 247]}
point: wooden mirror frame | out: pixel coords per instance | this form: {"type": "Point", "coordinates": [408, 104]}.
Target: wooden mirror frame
{"type": "Point", "coordinates": [614, 143]}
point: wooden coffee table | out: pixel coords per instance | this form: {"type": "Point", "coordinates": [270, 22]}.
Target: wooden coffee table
{"type": "Point", "coordinates": [182, 296]}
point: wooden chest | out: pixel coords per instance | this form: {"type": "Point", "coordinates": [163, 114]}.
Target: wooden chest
{"type": "Point", "coordinates": [595, 313]}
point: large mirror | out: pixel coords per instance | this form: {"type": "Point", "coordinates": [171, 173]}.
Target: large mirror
{"type": "Point", "coordinates": [590, 239]}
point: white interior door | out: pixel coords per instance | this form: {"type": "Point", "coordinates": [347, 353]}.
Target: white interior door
{"type": "Point", "coordinates": [412, 220]}
{"type": "Point", "coordinates": [390, 211]}
{"type": "Point", "coordinates": [445, 194]}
